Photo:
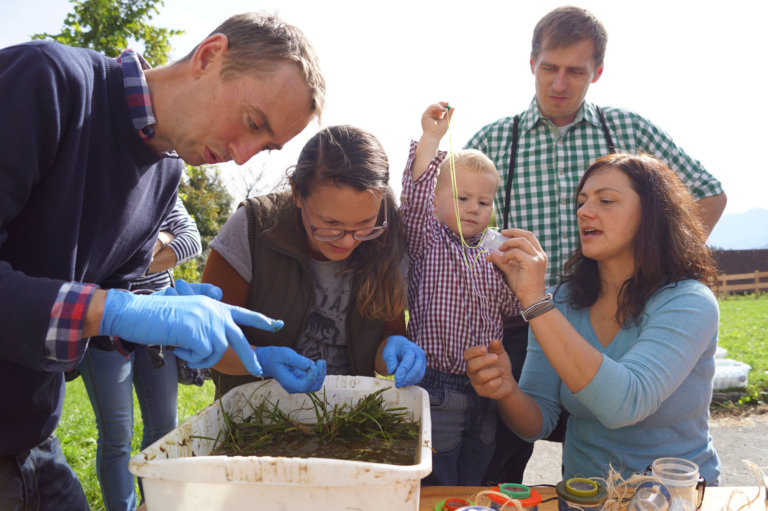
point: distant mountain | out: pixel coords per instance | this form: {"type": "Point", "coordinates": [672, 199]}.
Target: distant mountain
{"type": "Point", "coordinates": [741, 231]}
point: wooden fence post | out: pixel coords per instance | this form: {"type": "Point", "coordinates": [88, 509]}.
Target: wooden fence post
{"type": "Point", "coordinates": [742, 283]}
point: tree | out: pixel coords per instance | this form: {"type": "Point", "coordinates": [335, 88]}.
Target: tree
{"type": "Point", "coordinates": [107, 26]}
{"type": "Point", "coordinates": [251, 177]}
{"type": "Point", "coordinates": [208, 201]}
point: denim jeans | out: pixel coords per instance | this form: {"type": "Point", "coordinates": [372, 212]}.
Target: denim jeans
{"type": "Point", "coordinates": [40, 480]}
{"type": "Point", "coordinates": [463, 430]}
{"type": "Point", "coordinates": [109, 377]}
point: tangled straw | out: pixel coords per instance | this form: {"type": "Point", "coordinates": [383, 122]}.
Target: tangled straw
{"type": "Point", "coordinates": [620, 492]}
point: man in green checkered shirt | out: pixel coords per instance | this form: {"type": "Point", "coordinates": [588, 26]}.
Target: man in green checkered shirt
{"type": "Point", "coordinates": [559, 136]}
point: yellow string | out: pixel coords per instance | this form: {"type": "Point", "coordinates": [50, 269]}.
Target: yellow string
{"type": "Point", "coordinates": [454, 189]}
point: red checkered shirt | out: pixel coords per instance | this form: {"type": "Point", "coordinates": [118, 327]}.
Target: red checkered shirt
{"type": "Point", "coordinates": [451, 306]}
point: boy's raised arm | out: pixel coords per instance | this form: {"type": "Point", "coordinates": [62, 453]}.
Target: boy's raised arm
{"type": "Point", "coordinates": [434, 124]}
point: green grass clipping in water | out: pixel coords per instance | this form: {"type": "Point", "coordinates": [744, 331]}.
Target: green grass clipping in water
{"type": "Point", "coordinates": [367, 431]}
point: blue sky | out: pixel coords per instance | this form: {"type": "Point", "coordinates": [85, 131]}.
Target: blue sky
{"type": "Point", "coordinates": [694, 69]}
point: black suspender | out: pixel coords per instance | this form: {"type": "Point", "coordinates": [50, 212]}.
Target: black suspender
{"type": "Point", "coordinates": [611, 147]}
{"type": "Point", "coordinates": [513, 157]}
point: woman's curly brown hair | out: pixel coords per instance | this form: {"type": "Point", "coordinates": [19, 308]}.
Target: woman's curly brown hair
{"type": "Point", "coordinates": [670, 244]}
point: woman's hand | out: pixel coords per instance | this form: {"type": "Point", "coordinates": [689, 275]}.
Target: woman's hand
{"type": "Point", "coordinates": [163, 238]}
{"type": "Point", "coordinates": [524, 264]}
{"type": "Point", "coordinates": [490, 371]}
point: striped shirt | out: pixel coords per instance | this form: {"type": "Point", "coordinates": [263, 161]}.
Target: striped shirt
{"type": "Point", "coordinates": [549, 165]}
{"type": "Point", "coordinates": [185, 245]}
{"type": "Point", "coordinates": [63, 344]}
{"type": "Point", "coordinates": [452, 306]}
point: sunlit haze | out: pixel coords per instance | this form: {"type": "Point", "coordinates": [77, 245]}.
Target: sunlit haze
{"type": "Point", "coordinates": [693, 68]}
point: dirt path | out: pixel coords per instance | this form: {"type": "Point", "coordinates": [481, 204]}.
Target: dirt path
{"type": "Point", "coordinates": [741, 438]}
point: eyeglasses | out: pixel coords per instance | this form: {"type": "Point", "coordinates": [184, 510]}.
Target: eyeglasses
{"type": "Point", "coordinates": [333, 234]}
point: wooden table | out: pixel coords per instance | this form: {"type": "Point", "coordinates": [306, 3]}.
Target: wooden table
{"type": "Point", "coordinates": [715, 498]}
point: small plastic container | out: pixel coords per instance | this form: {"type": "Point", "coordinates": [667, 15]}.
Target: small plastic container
{"type": "Point", "coordinates": [730, 374]}
{"type": "Point", "coordinates": [492, 240]}
{"type": "Point", "coordinates": [529, 498]}
{"type": "Point", "coordinates": [453, 504]}
{"type": "Point", "coordinates": [650, 496]}
{"type": "Point", "coordinates": [580, 494]}
{"type": "Point", "coordinates": [681, 478]}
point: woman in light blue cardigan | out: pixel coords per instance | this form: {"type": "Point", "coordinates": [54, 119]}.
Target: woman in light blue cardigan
{"type": "Point", "coordinates": [627, 343]}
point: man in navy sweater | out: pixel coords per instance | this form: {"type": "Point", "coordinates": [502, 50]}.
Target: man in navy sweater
{"type": "Point", "coordinates": [92, 149]}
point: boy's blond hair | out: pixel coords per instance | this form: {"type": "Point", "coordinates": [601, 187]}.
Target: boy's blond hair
{"type": "Point", "coordinates": [467, 159]}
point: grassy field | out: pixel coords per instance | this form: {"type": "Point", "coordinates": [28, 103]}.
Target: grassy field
{"type": "Point", "coordinates": [77, 430]}
{"type": "Point", "coordinates": [743, 332]}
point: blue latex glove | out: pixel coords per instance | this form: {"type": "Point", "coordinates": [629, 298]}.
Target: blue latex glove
{"type": "Point", "coordinates": [294, 372]}
{"type": "Point", "coordinates": [184, 288]}
{"type": "Point", "coordinates": [405, 359]}
{"type": "Point", "coordinates": [199, 327]}
{"type": "Point", "coordinates": [320, 376]}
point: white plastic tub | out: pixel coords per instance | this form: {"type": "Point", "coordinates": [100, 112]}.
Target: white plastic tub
{"type": "Point", "coordinates": [177, 474]}
{"type": "Point", "coordinates": [730, 374]}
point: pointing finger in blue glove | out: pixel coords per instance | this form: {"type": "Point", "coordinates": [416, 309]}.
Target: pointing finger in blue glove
{"type": "Point", "coordinates": [184, 288]}
{"type": "Point", "coordinates": [201, 328]}
{"type": "Point", "coordinates": [405, 360]}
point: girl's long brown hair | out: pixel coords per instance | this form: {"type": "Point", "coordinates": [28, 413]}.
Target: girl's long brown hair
{"type": "Point", "coordinates": [669, 244]}
{"type": "Point", "coordinates": [349, 156]}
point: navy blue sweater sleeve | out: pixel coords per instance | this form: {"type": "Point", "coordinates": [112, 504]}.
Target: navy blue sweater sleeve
{"type": "Point", "coordinates": [30, 134]}
{"type": "Point", "coordinates": [82, 196]}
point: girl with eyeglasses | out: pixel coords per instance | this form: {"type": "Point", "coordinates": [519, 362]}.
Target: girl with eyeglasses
{"type": "Point", "coordinates": [327, 258]}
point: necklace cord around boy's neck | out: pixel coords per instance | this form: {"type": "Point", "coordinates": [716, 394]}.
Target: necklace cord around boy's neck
{"type": "Point", "coordinates": [455, 193]}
